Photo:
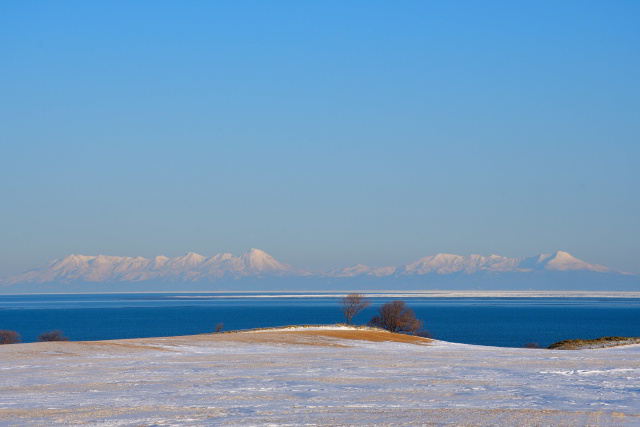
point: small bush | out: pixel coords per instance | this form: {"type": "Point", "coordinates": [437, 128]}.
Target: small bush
{"type": "Point", "coordinates": [52, 336]}
{"type": "Point", "coordinates": [424, 334]}
{"type": "Point", "coordinates": [9, 337]}
{"type": "Point", "coordinates": [395, 316]}
{"type": "Point", "coordinates": [219, 327]}
{"type": "Point", "coordinates": [592, 343]}
{"type": "Point", "coordinates": [532, 345]}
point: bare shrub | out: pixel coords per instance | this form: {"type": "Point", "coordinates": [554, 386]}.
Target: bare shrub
{"type": "Point", "coordinates": [424, 334]}
{"type": "Point", "coordinates": [219, 327]}
{"type": "Point", "coordinates": [395, 316]}
{"type": "Point", "coordinates": [9, 337]}
{"type": "Point", "coordinates": [52, 336]}
{"type": "Point", "coordinates": [353, 304]}
{"type": "Point", "coordinates": [532, 345]}
{"type": "Point", "coordinates": [578, 344]}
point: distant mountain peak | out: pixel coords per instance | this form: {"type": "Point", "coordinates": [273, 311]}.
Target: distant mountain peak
{"type": "Point", "coordinates": [565, 261]}
{"type": "Point", "coordinates": [260, 261]}
{"type": "Point", "coordinates": [193, 256]}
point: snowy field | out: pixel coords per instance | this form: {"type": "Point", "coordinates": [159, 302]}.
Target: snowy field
{"type": "Point", "coordinates": [314, 376]}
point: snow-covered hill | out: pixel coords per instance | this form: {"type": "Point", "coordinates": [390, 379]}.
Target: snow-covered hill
{"type": "Point", "coordinates": [347, 377]}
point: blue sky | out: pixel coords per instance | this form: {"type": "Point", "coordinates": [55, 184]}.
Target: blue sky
{"type": "Point", "coordinates": [325, 133]}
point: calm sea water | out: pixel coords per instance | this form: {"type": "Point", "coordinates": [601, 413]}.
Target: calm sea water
{"type": "Point", "coordinates": [506, 322]}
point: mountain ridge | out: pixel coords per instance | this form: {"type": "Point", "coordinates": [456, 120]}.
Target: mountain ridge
{"type": "Point", "coordinates": [256, 263]}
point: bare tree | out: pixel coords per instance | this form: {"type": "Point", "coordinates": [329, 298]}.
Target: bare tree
{"type": "Point", "coordinates": [353, 304]}
{"type": "Point", "coordinates": [52, 336]}
{"type": "Point", "coordinates": [395, 316]}
{"type": "Point", "coordinates": [9, 337]}
{"type": "Point", "coordinates": [219, 327]}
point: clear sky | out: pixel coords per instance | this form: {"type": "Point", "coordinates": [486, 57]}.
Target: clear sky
{"type": "Point", "coordinates": [326, 133]}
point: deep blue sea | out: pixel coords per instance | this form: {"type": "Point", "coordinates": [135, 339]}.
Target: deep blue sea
{"type": "Point", "coordinates": [505, 322]}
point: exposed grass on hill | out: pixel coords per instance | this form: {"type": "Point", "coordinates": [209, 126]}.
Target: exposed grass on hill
{"type": "Point", "coordinates": [309, 335]}
{"type": "Point", "coordinates": [579, 344]}
{"type": "Point", "coordinates": [292, 327]}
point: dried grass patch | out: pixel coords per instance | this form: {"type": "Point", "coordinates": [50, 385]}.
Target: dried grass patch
{"type": "Point", "coordinates": [317, 337]}
{"type": "Point", "coordinates": [276, 337]}
{"type": "Point", "coordinates": [364, 335]}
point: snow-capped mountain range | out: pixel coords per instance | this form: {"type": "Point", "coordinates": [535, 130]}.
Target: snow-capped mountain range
{"type": "Point", "coordinates": [258, 264]}
{"type": "Point", "coordinates": [190, 267]}
{"type": "Point", "coordinates": [448, 263]}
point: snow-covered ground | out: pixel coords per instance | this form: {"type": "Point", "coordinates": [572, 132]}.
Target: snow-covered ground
{"type": "Point", "coordinates": [314, 375]}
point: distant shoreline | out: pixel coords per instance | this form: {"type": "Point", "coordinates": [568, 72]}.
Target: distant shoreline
{"type": "Point", "coordinates": [370, 294]}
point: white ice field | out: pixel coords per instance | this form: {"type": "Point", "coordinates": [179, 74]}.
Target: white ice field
{"type": "Point", "coordinates": [313, 376]}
